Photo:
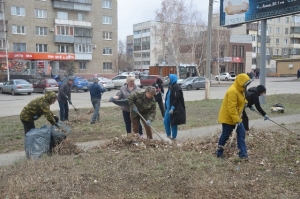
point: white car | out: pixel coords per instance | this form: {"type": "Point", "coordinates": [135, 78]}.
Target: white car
{"type": "Point", "coordinates": [180, 81]}
{"type": "Point", "coordinates": [225, 76]}
{"type": "Point", "coordinates": [120, 80]}
{"type": "Point", "coordinates": [106, 83]}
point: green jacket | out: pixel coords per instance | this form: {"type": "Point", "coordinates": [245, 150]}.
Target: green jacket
{"type": "Point", "coordinates": [146, 107]}
{"type": "Point", "coordinates": [38, 107]}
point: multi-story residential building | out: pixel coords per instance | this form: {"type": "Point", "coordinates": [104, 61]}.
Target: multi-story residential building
{"type": "Point", "coordinates": [42, 34]}
{"type": "Point", "coordinates": [129, 50]}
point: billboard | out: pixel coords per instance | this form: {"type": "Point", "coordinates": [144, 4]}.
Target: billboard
{"type": "Point", "coordinates": [233, 12]}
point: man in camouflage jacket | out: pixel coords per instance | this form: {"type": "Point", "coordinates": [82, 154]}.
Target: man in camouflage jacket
{"type": "Point", "coordinates": [36, 108]}
{"type": "Point", "coordinates": [143, 103]}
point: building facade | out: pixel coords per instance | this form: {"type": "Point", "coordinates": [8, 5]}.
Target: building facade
{"type": "Point", "coordinates": [41, 34]}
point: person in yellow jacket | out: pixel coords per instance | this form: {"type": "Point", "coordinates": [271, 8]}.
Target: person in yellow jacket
{"type": "Point", "coordinates": [230, 115]}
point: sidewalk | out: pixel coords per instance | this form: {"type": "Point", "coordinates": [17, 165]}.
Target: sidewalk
{"type": "Point", "coordinates": [10, 158]}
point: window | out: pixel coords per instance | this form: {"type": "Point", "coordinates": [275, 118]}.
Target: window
{"type": "Point", "coordinates": [258, 49]}
{"type": "Point", "coordinates": [137, 63]}
{"type": "Point", "coordinates": [146, 30]}
{"type": "Point", "coordinates": [146, 54]}
{"type": "Point", "coordinates": [40, 13]}
{"type": "Point", "coordinates": [285, 51]}
{"type": "Point", "coordinates": [267, 51]}
{"type": "Point", "coordinates": [18, 29]}
{"type": "Point", "coordinates": [270, 29]}
{"type": "Point", "coordinates": [107, 35]}
{"type": "Point", "coordinates": [19, 47]}
{"type": "Point", "coordinates": [277, 41]}
{"type": "Point", "coordinates": [83, 32]}
{"type": "Point", "coordinates": [18, 11]}
{"type": "Point", "coordinates": [286, 31]}
{"type": "Point", "coordinates": [81, 17]}
{"type": "Point", "coordinates": [241, 51]}
{"type": "Point", "coordinates": [285, 41]}
{"type": "Point", "coordinates": [107, 51]}
{"type": "Point", "coordinates": [106, 20]}
{"type": "Point", "coordinates": [2, 44]}
{"type": "Point", "coordinates": [137, 32]}
{"type": "Point", "coordinates": [83, 48]}
{"type": "Point", "coordinates": [278, 20]}
{"type": "Point", "coordinates": [254, 49]}
{"type": "Point", "coordinates": [82, 65]}
{"type": "Point", "coordinates": [106, 4]}
{"type": "Point", "coordinates": [278, 30]}
{"type": "Point", "coordinates": [62, 15]}
{"type": "Point", "coordinates": [41, 30]}
{"type": "Point", "coordinates": [276, 51]}
{"type": "Point", "coordinates": [253, 37]}
{"type": "Point", "coordinates": [63, 48]}
{"type": "Point", "coordinates": [146, 62]}
{"type": "Point", "coordinates": [137, 54]}
{"type": "Point", "coordinates": [107, 66]}
{"type": "Point", "coordinates": [254, 61]}
{"type": "Point", "coordinates": [287, 20]}
{"type": "Point", "coordinates": [64, 30]}
{"type": "Point", "coordinates": [41, 48]}
{"type": "Point", "coordinates": [234, 51]}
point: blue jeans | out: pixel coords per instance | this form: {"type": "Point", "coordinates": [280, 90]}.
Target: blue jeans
{"type": "Point", "coordinates": [127, 120]}
{"type": "Point", "coordinates": [96, 105]}
{"type": "Point", "coordinates": [63, 110]}
{"type": "Point", "coordinates": [168, 127]}
{"type": "Point", "coordinates": [226, 131]}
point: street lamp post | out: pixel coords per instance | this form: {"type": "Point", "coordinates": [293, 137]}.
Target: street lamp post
{"type": "Point", "coordinates": [208, 50]}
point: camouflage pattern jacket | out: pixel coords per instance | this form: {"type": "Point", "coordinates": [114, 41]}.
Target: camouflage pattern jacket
{"type": "Point", "coordinates": [38, 107]}
{"type": "Point", "coordinates": [146, 107]}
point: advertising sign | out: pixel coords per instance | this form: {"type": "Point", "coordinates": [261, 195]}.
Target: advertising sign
{"type": "Point", "coordinates": [233, 12]}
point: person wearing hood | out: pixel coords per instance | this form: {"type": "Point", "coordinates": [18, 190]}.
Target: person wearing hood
{"type": "Point", "coordinates": [175, 108]}
{"type": "Point", "coordinates": [252, 96]}
{"type": "Point", "coordinates": [36, 108]}
{"type": "Point", "coordinates": [230, 114]}
{"type": "Point", "coordinates": [159, 95]}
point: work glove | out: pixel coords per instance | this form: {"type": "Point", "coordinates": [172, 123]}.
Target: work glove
{"type": "Point", "coordinates": [252, 108]}
{"type": "Point", "coordinates": [135, 109]}
{"type": "Point", "coordinates": [70, 102]}
{"type": "Point", "coordinates": [56, 118]}
{"type": "Point", "coordinates": [171, 112]}
{"type": "Point", "coordinates": [266, 117]}
{"type": "Point", "coordinates": [111, 99]}
{"type": "Point", "coordinates": [148, 122]}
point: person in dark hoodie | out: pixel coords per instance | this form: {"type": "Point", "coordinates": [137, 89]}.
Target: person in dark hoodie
{"type": "Point", "coordinates": [64, 96]}
{"type": "Point", "coordinates": [159, 95]}
{"type": "Point", "coordinates": [175, 108]}
{"type": "Point", "coordinates": [252, 96]}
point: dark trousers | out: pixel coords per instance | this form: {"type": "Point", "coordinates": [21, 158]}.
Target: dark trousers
{"type": "Point", "coordinates": [162, 108]}
{"type": "Point", "coordinates": [28, 126]}
{"type": "Point", "coordinates": [127, 120]}
{"type": "Point", "coordinates": [245, 120]}
{"type": "Point", "coordinates": [135, 126]}
{"type": "Point", "coordinates": [63, 110]}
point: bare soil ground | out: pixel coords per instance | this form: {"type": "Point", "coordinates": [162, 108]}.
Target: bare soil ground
{"type": "Point", "coordinates": [130, 167]}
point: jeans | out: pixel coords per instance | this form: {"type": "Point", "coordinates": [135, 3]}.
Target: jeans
{"type": "Point", "coordinates": [135, 126]}
{"type": "Point", "coordinates": [168, 127]}
{"type": "Point", "coordinates": [96, 105]}
{"type": "Point", "coordinates": [28, 126]}
{"type": "Point", "coordinates": [63, 110]}
{"type": "Point", "coordinates": [161, 107]}
{"type": "Point", "coordinates": [127, 120]}
{"type": "Point", "coordinates": [226, 131]}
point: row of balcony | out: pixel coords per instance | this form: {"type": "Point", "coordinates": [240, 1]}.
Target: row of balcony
{"type": "Point", "coordinates": [80, 5]}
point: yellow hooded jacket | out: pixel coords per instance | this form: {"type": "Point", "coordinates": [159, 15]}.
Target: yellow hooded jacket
{"type": "Point", "coordinates": [234, 101]}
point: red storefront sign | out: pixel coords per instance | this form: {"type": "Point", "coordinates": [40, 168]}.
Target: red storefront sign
{"type": "Point", "coordinates": [37, 56]}
{"type": "Point", "coordinates": [236, 59]}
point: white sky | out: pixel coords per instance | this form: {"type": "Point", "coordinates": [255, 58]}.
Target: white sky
{"type": "Point", "coordinates": [136, 11]}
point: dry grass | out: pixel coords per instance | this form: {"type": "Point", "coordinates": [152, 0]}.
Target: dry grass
{"type": "Point", "coordinates": [199, 113]}
{"type": "Point", "coordinates": [128, 167]}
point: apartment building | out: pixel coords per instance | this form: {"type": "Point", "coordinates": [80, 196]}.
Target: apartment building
{"type": "Point", "coordinates": [43, 34]}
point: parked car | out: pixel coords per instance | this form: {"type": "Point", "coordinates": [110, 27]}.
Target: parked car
{"type": "Point", "coordinates": [149, 80]}
{"type": "Point", "coordinates": [45, 84]}
{"type": "Point", "coordinates": [226, 76]}
{"type": "Point", "coordinates": [193, 83]}
{"type": "Point", "coordinates": [107, 83]}
{"type": "Point", "coordinates": [15, 86]}
{"type": "Point", "coordinates": [120, 80]}
{"type": "Point", "coordinates": [180, 81]}
{"type": "Point", "coordinates": [80, 83]}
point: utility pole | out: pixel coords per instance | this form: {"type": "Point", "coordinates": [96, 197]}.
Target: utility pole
{"type": "Point", "coordinates": [5, 37]}
{"type": "Point", "coordinates": [208, 50]}
{"type": "Point", "coordinates": [262, 71]}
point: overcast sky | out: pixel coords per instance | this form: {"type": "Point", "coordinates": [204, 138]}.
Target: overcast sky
{"type": "Point", "coordinates": [136, 11]}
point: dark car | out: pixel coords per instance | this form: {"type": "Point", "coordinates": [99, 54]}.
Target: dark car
{"type": "Point", "coordinates": [80, 83]}
{"type": "Point", "coordinates": [149, 80]}
{"type": "Point", "coordinates": [42, 85]}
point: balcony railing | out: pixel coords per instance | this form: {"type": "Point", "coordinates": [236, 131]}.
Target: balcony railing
{"type": "Point", "coordinates": [82, 5]}
{"type": "Point", "coordinates": [64, 38]}
{"type": "Point", "coordinates": [73, 23]}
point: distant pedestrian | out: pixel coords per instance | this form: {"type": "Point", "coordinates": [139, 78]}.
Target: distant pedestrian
{"type": "Point", "coordinates": [175, 108]}
{"type": "Point", "coordinates": [298, 73]}
{"type": "Point", "coordinates": [143, 103]}
{"type": "Point", "coordinates": [159, 95]}
{"type": "Point", "coordinates": [257, 74]}
{"type": "Point", "coordinates": [230, 113]}
{"type": "Point", "coordinates": [64, 97]}
{"type": "Point", "coordinates": [96, 92]}
{"type": "Point", "coordinates": [129, 89]}
{"type": "Point", "coordinates": [252, 76]}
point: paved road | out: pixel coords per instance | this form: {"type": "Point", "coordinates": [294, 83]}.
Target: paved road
{"type": "Point", "coordinates": [12, 105]}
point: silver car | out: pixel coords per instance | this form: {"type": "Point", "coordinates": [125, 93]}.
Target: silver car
{"type": "Point", "coordinates": [226, 76]}
{"type": "Point", "coordinates": [120, 81]}
{"type": "Point", "coordinates": [15, 86]}
{"type": "Point", "coordinates": [193, 83]}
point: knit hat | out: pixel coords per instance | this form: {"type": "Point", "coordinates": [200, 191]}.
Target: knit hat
{"type": "Point", "coordinates": [261, 89]}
